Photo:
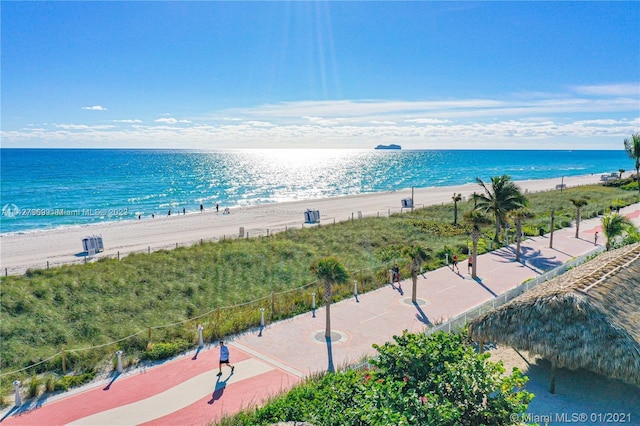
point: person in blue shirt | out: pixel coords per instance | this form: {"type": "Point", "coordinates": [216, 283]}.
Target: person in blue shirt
{"type": "Point", "coordinates": [224, 358]}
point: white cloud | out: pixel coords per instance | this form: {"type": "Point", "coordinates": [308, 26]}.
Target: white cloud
{"type": "Point", "coordinates": [427, 121]}
{"type": "Point", "coordinates": [600, 117]}
{"type": "Point", "coordinates": [628, 89]}
{"type": "Point", "coordinates": [127, 121]}
{"type": "Point", "coordinates": [94, 108]}
{"type": "Point", "coordinates": [83, 127]}
{"type": "Point", "coordinates": [171, 120]}
{"type": "Point", "coordinates": [257, 123]}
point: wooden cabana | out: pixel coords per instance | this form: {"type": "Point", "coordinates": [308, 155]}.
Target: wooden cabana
{"type": "Point", "coordinates": [587, 318]}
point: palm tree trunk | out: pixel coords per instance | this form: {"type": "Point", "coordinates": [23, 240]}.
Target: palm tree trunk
{"type": "Point", "coordinates": [553, 225]}
{"type": "Point", "coordinates": [518, 238]}
{"type": "Point", "coordinates": [327, 298]}
{"type": "Point", "coordinates": [414, 290]}
{"type": "Point", "coordinates": [475, 236]}
{"type": "Point", "coordinates": [455, 212]}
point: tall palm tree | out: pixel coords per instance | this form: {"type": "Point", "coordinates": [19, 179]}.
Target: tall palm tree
{"type": "Point", "coordinates": [615, 225]}
{"type": "Point", "coordinates": [476, 218]}
{"type": "Point", "coordinates": [632, 147]}
{"type": "Point", "coordinates": [578, 203]}
{"type": "Point", "coordinates": [417, 255]}
{"type": "Point", "coordinates": [503, 196]}
{"type": "Point", "coordinates": [330, 271]}
{"type": "Point", "coordinates": [456, 198]}
{"type": "Point", "coordinates": [518, 216]}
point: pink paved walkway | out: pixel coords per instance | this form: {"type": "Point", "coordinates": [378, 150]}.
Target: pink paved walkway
{"type": "Point", "coordinates": [186, 391]}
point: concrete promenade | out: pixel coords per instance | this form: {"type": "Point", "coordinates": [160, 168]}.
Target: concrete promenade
{"type": "Point", "coordinates": [186, 390]}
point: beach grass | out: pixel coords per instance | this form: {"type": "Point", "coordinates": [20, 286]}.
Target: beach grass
{"type": "Point", "coordinates": [144, 299]}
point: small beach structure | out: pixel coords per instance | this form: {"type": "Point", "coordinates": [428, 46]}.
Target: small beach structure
{"type": "Point", "coordinates": [312, 216]}
{"type": "Point", "coordinates": [92, 244]}
{"type": "Point", "coordinates": [587, 318]}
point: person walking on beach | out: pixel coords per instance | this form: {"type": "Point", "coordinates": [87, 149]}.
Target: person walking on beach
{"type": "Point", "coordinates": [224, 358]}
{"type": "Point", "coordinates": [217, 207]}
{"type": "Point", "coordinates": [454, 263]}
{"type": "Point", "coordinates": [201, 208]}
{"type": "Point", "coordinates": [184, 211]}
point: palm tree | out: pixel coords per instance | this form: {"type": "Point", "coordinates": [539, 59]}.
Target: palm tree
{"type": "Point", "coordinates": [614, 225]}
{"type": "Point", "coordinates": [578, 203]}
{"type": "Point", "coordinates": [330, 271]}
{"type": "Point", "coordinates": [417, 255]}
{"type": "Point", "coordinates": [456, 198]}
{"type": "Point", "coordinates": [632, 147]}
{"type": "Point", "coordinates": [476, 219]}
{"type": "Point", "coordinates": [518, 216]}
{"type": "Point", "coordinates": [503, 196]}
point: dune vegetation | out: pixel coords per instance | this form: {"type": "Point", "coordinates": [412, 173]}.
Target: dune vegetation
{"type": "Point", "coordinates": [145, 302]}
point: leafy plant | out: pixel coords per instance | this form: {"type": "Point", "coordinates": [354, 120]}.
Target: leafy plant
{"type": "Point", "coordinates": [71, 381]}
{"type": "Point", "coordinates": [164, 350]}
{"type": "Point", "coordinates": [416, 380]}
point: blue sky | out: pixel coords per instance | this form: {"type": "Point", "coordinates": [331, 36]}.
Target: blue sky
{"type": "Point", "coordinates": [223, 75]}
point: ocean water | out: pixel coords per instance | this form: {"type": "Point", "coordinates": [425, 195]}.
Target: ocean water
{"type": "Point", "coordinates": [48, 188]}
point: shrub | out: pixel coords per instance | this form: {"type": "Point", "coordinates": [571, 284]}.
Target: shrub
{"type": "Point", "coordinates": [164, 350]}
{"type": "Point", "coordinates": [34, 386]}
{"type": "Point", "coordinates": [71, 381]}
{"type": "Point", "coordinates": [49, 384]}
{"type": "Point", "coordinates": [419, 379]}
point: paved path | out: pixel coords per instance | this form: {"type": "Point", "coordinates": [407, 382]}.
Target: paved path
{"type": "Point", "coordinates": [186, 391]}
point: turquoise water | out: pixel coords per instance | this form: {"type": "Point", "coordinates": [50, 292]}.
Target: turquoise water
{"type": "Point", "coordinates": [47, 188]}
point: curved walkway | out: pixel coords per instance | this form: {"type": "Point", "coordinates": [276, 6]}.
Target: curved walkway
{"type": "Point", "coordinates": [187, 391]}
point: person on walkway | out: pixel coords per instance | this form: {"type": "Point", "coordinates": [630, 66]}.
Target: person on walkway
{"type": "Point", "coordinates": [454, 263]}
{"type": "Point", "coordinates": [595, 239]}
{"type": "Point", "coordinates": [396, 273]}
{"type": "Point", "coordinates": [224, 358]}
{"type": "Point", "coordinates": [470, 264]}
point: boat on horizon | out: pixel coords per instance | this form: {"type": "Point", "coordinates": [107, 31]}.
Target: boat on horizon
{"type": "Point", "coordinates": [392, 146]}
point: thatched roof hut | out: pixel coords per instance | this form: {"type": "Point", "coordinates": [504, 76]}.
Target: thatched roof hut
{"type": "Point", "coordinates": [586, 318]}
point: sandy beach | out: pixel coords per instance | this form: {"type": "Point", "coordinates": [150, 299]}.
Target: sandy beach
{"type": "Point", "coordinates": [40, 249]}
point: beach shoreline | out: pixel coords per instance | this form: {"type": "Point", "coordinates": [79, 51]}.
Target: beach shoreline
{"type": "Point", "coordinates": [48, 248]}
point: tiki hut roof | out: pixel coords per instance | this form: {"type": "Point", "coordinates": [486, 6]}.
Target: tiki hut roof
{"type": "Point", "coordinates": [587, 318]}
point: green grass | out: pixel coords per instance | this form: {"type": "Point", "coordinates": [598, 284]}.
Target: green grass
{"type": "Point", "coordinates": [224, 284]}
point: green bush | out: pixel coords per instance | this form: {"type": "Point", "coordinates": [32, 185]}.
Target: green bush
{"type": "Point", "coordinates": [49, 384]}
{"type": "Point", "coordinates": [67, 382]}
{"type": "Point", "coordinates": [34, 386]}
{"type": "Point", "coordinates": [417, 380]}
{"type": "Point", "coordinates": [164, 350]}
